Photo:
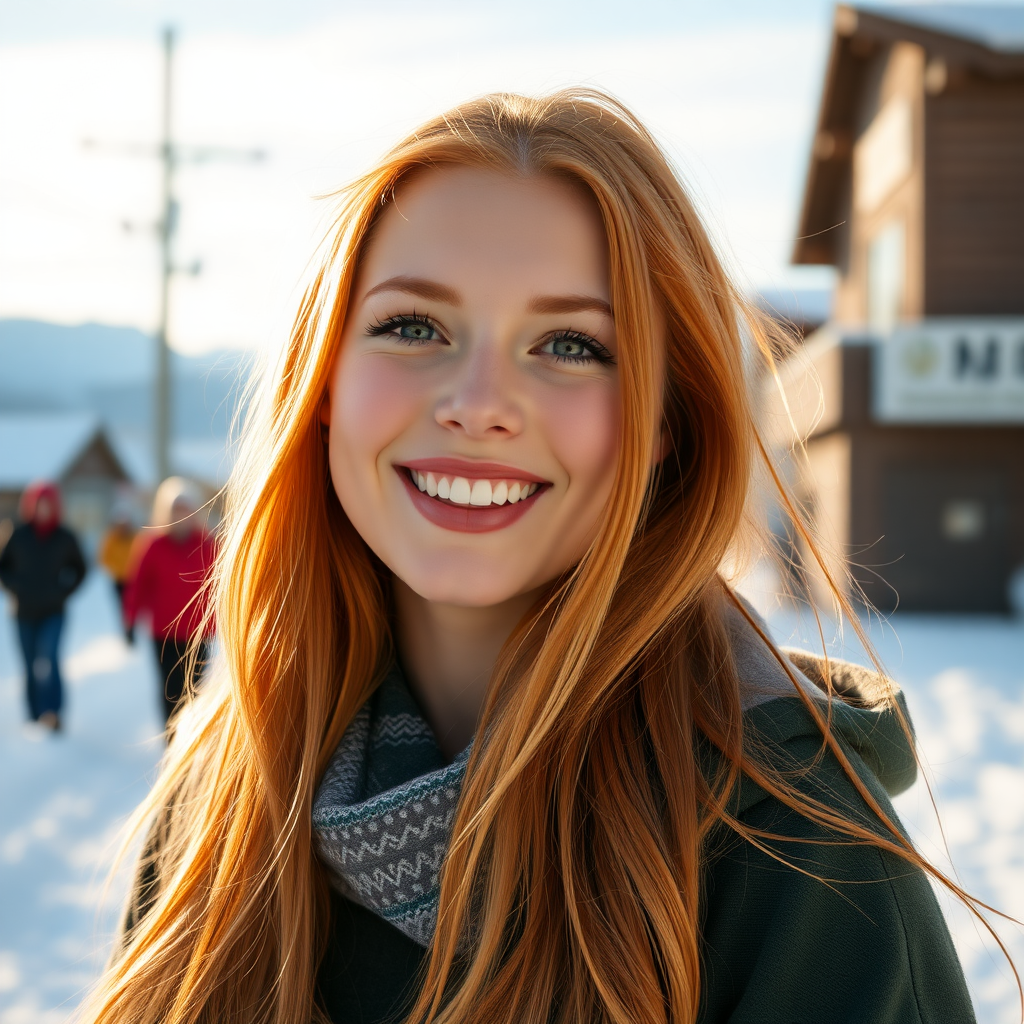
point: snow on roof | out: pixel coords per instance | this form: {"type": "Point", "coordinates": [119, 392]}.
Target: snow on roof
{"type": "Point", "coordinates": [206, 460]}
{"type": "Point", "coordinates": [996, 26]}
{"type": "Point", "coordinates": [801, 305]}
{"type": "Point", "coordinates": [36, 446]}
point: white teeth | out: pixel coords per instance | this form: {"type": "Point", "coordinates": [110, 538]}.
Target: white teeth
{"type": "Point", "coordinates": [460, 492]}
{"type": "Point", "coordinates": [479, 493]}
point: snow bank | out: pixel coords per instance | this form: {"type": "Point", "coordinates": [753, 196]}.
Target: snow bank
{"type": "Point", "coordinates": [62, 803]}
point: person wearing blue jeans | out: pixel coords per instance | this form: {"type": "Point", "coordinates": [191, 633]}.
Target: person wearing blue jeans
{"type": "Point", "coordinates": [44, 689]}
{"type": "Point", "coordinates": [41, 565]}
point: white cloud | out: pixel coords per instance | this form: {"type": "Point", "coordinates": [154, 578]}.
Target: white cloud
{"type": "Point", "coordinates": [732, 107]}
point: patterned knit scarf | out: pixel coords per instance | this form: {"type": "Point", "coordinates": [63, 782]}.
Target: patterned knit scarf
{"type": "Point", "coordinates": [383, 813]}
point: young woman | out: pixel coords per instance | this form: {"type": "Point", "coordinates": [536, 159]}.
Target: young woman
{"type": "Point", "coordinates": [494, 741]}
{"type": "Point", "coordinates": [167, 581]}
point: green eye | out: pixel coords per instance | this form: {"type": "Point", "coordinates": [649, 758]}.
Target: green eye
{"type": "Point", "coordinates": [416, 332]}
{"type": "Point", "coordinates": [572, 347]}
{"type": "Point", "coordinates": [410, 328]}
{"type": "Point", "coordinates": [567, 348]}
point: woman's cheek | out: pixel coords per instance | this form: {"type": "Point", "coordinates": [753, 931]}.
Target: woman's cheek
{"type": "Point", "coordinates": [373, 402]}
{"type": "Point", "coordinates": [582, 427]}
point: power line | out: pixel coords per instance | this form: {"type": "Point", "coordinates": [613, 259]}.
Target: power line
{"type": "Point", "coordinates": [171, 155]}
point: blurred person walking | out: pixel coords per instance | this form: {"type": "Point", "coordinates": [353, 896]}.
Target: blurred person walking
{"type": "Point", "coordinates": [115, 552]}
{"type": "Point", "coordinates": [41, 565]}
{"type": "Point", "coordinates": [166, 583]}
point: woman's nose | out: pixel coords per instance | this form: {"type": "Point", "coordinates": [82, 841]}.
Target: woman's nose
{"type": "Point", "coordinates": [481, 402]}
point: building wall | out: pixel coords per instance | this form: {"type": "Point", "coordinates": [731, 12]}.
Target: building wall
{"type": "Point", "coordinates": [937, 515]}
{"type": "Point", "coordinates": [826, 494]}
{"type": "Point", "coordinates": [974, 187]}
{"type": "Point", "coordinates": [930, 517]}
{"type": "Point", "coordinates": [894, 76]}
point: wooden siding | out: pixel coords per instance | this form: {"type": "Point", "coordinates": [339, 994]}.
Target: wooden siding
{"type": "Point", "coordinates": [877, 492]}
{"type": "Point", "coordinates": [894, 72]}
{"type": "Point", "coordinates": [974, 199]}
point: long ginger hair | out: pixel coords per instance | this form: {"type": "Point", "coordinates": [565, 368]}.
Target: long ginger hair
{"type": "Point", "coordinates": [572, 886]}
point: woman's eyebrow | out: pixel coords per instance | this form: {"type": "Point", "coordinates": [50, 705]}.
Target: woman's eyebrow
{"type": "Point", "coordinates": [427, 289]}
{"type": "Point", "coordinates": [419, 286]}
{"type": "Point", "coordinates": [569, 304]}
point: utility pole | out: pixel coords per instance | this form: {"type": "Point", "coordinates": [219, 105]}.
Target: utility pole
{"type": "Point", "coordinates": [171, 155]}
{"type": "Point", "coordinates": [162, 394]}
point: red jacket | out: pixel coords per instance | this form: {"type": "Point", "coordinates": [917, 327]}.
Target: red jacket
{"type": "Point", "coordinates": [167, 585]}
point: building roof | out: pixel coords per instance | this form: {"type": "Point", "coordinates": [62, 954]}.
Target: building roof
{"type": "Point", "coordinates": [208, 461]}
{"type": "Point", "coordinates": [804, 308]}
{"type": "Point", "coordinates": [998, 27]}
{"type": "Point", "coordinates": [45, 446]}
{"type": "Point", "coordinates": [987, 39]}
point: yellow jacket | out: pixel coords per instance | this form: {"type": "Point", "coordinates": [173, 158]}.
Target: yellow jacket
{"type": "Point", "coordinates": [115, 551]}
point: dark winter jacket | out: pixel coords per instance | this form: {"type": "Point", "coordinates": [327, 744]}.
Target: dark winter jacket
{"type": "Point", "coordinates": [864, 942]}
{"type": "Point", "coordinates": [838, 934]}
{"type": "Point", "coordinates": [41, 571]}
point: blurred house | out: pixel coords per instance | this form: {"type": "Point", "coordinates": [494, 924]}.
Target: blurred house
{"type": "Point", "coordinates": [108, 372]}
{"type": "Point", "coordinates": [801, 310]}
{"type": "Point", "coordinates": [70, 448]}
{"type": "Point", "coordinates": [915, 193]}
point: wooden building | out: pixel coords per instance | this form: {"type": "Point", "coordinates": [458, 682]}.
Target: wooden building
{"type": "Point", "coordinates": [70, 449]}
{"type": "Point", "coordinates": [915, 193]}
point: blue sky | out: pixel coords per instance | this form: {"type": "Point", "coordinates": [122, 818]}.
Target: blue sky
{"type": "Point", "coordinates": [47, 20]}
{"type": "Point", "coordinates": [729, 87]}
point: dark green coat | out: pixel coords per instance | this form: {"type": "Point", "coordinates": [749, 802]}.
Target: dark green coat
{"type": "Point", "coordinates": [867, 946]}
{"type": "Point", "coordinates": [779, 947]}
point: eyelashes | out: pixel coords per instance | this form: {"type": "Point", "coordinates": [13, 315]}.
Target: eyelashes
{"type": "Point", "coordinates": [576, 347]}
{"type": "Point", "coordinates": [411, 328]}
{"type": "Point", "coordinates": [565, 346]}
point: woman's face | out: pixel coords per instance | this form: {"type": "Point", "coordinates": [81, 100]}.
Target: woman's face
{"type": "Point", "coordinates": [44, 510]}
{"type": "Point", "coordinates": [473, 411]}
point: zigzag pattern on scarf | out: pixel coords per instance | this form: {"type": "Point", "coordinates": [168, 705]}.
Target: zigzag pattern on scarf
{"type": "Point", "coordinates": [401, 729]}
{"type": "Point", "coordinates": [383, 813]}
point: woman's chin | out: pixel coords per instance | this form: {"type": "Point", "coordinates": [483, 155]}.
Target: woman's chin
{"type": "Point", "coordinates": [472, 589]}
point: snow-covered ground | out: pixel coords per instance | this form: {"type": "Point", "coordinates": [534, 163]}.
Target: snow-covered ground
{"type": "Point", "coordinates": [63, 798]}
{"type": "Point", "coordinates": [62, 801]}
{"type": "Point", "coordinates": [964, 681]}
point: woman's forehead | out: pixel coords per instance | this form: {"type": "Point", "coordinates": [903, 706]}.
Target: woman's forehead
{"type": "Point", "coordinates": [476, 223]}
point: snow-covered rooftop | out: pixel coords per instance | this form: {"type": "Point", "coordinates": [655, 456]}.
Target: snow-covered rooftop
{"type": "Point", "coordinates": [997, 26]}
{"type": "Point", "coordinates": [37, 446]}
{"type": "Point", "coordinates": [801, 305]}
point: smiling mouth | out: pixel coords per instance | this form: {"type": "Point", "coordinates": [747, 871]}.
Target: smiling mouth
{"type": "Point", "coordinates": [472, 493]}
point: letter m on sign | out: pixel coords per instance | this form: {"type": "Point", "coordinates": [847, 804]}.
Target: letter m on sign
{"type": "Point", "coordinates": [976, 360]}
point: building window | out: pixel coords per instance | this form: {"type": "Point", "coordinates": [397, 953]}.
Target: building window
{"type": "Point", "coordinates": [884, 154]}
{"type": "Point", "coordinates": [886, 272]}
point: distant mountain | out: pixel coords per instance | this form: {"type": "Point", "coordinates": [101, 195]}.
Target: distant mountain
{"type": "Point", "coordinates": [110, 371]}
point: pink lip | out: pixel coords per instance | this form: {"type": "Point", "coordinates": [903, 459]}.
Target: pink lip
{"type": "Point", "coordinates": [465, 518]}
{"type": "Point", "coordinates": [472, 470]}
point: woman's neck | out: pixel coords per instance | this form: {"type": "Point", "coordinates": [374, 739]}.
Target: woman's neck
{"type": "Point", "coordinates": [449, 653]}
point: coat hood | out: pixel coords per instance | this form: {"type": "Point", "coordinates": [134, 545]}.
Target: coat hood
{"type": "Point", "coordinates": [40, 506]}
{"type": "Point", "coordinates": [867, 710]}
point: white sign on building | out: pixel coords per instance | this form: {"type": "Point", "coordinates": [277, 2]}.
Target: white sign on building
{"type": "Point", "coordinates": [951, 370]}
